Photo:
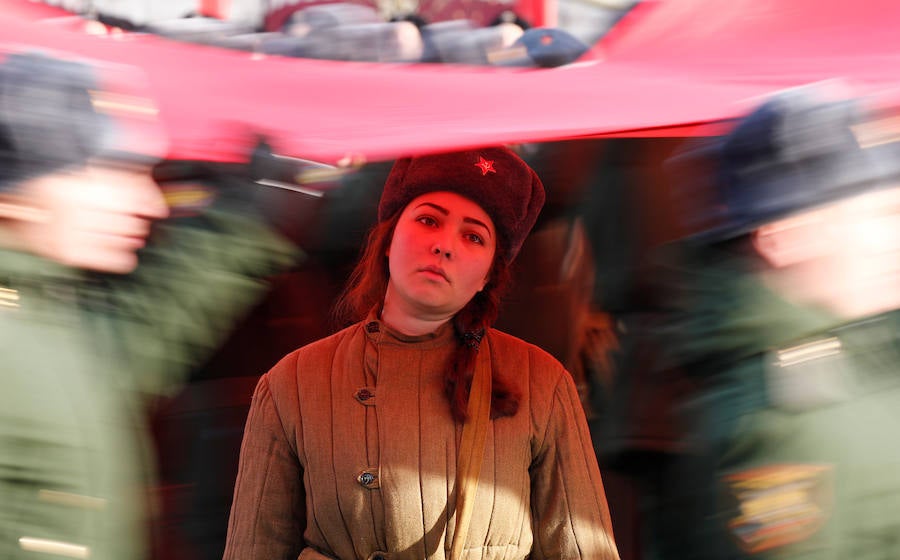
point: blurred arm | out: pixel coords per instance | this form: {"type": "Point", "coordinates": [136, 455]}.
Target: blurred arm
{"type": "Point", "coordinates": [200, 274]}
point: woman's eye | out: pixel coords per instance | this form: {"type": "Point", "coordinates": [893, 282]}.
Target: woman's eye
{"type": "Point", "coordinates": [427, 220]}
{"type": "Point", "coordinates": [475, 238]}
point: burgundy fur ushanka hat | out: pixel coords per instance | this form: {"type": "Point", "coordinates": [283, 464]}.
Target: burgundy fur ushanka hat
{"type": "Point", "coordinates": [495, 178]}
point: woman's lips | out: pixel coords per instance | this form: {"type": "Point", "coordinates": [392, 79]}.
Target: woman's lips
{"type": "Point", "coordinates": [436, 271]}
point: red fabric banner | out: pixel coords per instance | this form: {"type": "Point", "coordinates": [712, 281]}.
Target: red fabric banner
{"type": "Point", "coordinates": [213, 101]}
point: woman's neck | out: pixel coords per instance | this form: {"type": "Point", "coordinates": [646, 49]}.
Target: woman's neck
{"type": "Point", "coordinates": [396, 316]}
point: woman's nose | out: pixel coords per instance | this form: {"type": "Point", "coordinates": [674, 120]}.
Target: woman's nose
{"type": "Point", "coordinates": [441, 249]}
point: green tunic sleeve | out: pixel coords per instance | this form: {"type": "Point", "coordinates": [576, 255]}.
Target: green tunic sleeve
{"type": "Point", "coordinates": [196, 279]}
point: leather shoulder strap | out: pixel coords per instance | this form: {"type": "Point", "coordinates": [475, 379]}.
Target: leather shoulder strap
{"type": "Point", "coordinates": [471, 449]}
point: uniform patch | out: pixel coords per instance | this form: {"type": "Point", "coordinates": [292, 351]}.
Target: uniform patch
{"type": "Point", "coordinates": [808, 376]}
{"type": "Point", "coordinates": [187, 199]}
{"type": "Point", "coordinates": [778, 505]}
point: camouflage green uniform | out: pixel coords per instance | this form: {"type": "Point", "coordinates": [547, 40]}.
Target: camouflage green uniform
{"type": "Point", "coordinates": [81, 354]}
{"type": "Point", "coordinates": [794, 426]}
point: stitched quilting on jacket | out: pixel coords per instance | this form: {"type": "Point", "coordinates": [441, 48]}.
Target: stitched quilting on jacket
{"type": "Point", "coordinates": [350, 450]}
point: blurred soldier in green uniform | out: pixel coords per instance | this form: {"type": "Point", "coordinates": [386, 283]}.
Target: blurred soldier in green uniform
{"type": "Point", "coordinates": [101, 307]}
{"type": "Point", "coordinates": [784, 309]}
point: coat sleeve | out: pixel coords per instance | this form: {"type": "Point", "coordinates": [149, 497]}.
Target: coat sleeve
{"type": "Point", "coordinates": [268, 514]}
{"type": "Point", "coordinates": [569, 510]}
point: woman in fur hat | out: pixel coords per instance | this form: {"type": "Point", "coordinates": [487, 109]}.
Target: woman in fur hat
{"type": "Point", "coordinates": [419, 431]}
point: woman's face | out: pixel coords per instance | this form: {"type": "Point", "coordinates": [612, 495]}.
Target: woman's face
{"type": "Point", "coordinates": [440, 255]}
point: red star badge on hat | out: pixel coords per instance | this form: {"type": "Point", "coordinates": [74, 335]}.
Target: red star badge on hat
{"type": "Point", "coordinates": [486, 165]}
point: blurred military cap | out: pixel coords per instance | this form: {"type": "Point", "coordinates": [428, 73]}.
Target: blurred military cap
{"type": "Point", "coordinates": [796, 151]}
{"type": "Point", "coordinates": [46, 114]}
{"type": "Point", "coordinates": [57, 112]}
{"type": "Point", "coordinates": [542, 47]}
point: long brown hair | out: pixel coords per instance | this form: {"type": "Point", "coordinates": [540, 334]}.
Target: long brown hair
{"type": "Point", "coordinates": [368, 282]}
{"type": "Point", "coordinates": [366, 288]}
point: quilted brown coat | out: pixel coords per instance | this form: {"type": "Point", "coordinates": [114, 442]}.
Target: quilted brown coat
{"type": "Point", "coordinates": [350, 451]}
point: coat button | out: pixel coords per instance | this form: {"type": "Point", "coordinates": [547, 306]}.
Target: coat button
{"type": "Point", "coordinates": [368, 479]}
{"type": "Point", "coordinates": [365, 396]}
{"type": "Point", "coordinates": [372, 327]}
{"type": "Point", "coordinates": [378, 555]}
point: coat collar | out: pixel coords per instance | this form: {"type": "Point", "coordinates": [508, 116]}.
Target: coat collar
{"type": "Point", "coordinates": [378, 331]}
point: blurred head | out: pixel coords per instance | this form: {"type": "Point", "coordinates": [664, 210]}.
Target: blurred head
{"type": "Point", "coordinates": [398, 41]}
{"type": "Point", "coordinates": [324, 16]}
{"type": "Point", "coordinates": [95, 216]}
{"type": "Point", "coordinates": [435, 36]}
{"type": "Point", "coordinates": [818, 207]}
{"type": "Point", "coordinates": [510, 16]}
{"type": "Point", "coordinates": [475, 46]}
{"type": "Point", "coordinates": [795, 152]}
{"type": "Point", "coordinates": [76, 185]}
{"type": "Point", "coordinates": [844, 257]}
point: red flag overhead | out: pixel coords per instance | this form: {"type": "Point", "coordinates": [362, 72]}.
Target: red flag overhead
{"type": "Point", "coordinates": [785, 42]}
{"type": "Point", "coordinates": [212, 100]}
